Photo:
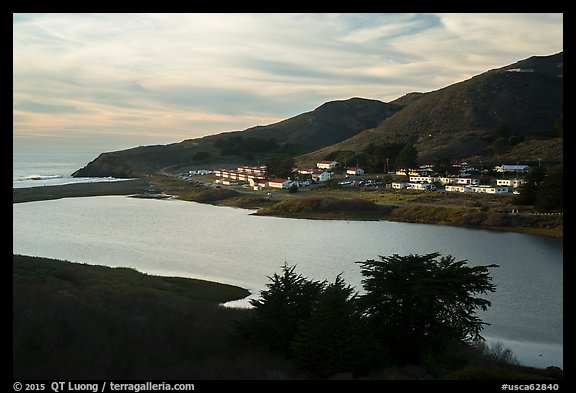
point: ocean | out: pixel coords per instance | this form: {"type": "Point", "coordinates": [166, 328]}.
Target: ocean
{"type": "Point", "coordinates": [39, 168]}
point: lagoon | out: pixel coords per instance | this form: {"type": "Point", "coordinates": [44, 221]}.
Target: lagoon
{"type": "Point", "coordinates": [177, 238]}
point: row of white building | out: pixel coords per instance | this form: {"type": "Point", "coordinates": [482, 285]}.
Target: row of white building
{"type": "Point", "coordinates": [463, 168]}
{"type": "Point", "coordinates": [482, 188]}
{"type": "Point", "coordinates": [418, 180]}
{"type": "Point", "coordinates": [459, 184]}
{"type": "Point", "coordinates": [256, 177]}
{"type": "Point", "coordinates": [514, 183]}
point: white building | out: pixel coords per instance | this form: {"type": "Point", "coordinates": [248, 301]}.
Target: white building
{"type": "Point", "coordinates": [305, 171]}
{"type": "Point", "coordinates": [520, 70]}
{"type": "Point", "coordinates": [466, 180]}
{"type": "Point", "coordinates": [399, 185]}
{"type": "Point", "coordinates": [355, 171]}
{"type": "Point", "coordinates": [321, 176]}
{"type": "Point", "coordinates": [258, 181]}
{"type": "Point", "coordinates": [456, 188]}
{"type": "Point", "coordinates": [420, 186]}
{"type": "Point", "coordinates": [445, 180]}
{"type": "Point", "coordinates": [279, 183]}
{"type": "Point", "coordinates": [489, 189]}
{"type": "Point", "coordinates": [253, 169]}
{"type": "Point", "coordinates": [326, 164]}
{"type": "Point", "coordinates": [423, 179]}
{"type": "Point", "coordinates": [510, 182]}
{"type": "Point", "coordinates": [512, 168]}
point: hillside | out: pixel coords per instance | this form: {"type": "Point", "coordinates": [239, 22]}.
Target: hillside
{"type": "Point", "coordinates": [78, 321]}
{"type": "Point", "coordinates": [504, 113]}
{"type": "Point", "coordinates": [330, 123]}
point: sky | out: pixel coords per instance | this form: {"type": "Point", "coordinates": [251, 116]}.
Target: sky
{"type": "Point", "coordinates": [114, 81]}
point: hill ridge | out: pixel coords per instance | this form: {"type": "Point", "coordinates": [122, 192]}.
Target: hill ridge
{"type": "Point", "coordinates": [471, 119]}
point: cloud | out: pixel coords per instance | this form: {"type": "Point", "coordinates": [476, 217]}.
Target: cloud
{"type": "Point", "coordinates": [38, 107]}
{"type": "Point", "coordinates": [389, 26]}
{"type": "Point", "coordinates": [169, 75]}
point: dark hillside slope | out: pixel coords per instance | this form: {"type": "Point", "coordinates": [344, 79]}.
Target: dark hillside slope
{"type": "Point", "coordinates": [330, 123]}
{"type": "Point", "coordinates": [464, 119]}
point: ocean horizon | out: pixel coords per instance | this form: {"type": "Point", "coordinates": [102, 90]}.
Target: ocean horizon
{"type": "Point", "coordinates": [51, 167]}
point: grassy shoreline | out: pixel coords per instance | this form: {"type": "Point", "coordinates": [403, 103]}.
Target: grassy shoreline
{"type": "Point", "coordinates": [467, 211]}
{"type": "Point", "coordinates": [79, 321]}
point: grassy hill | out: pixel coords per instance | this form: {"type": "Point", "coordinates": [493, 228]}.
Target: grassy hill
{"type": "Point", "coordinates": [510, 113]}
{"type": "Point", "coordinates": [500, 113]}
{"type": "Point", "coordinates": [330, 123]}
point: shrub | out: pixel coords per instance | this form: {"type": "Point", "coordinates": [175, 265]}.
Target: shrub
{"type": "Point", "coordinates": [288, 300]}
{"type": "Point", "coordinates": [336, 338]}
{"type": "Point", "coordinates": [419, 303]}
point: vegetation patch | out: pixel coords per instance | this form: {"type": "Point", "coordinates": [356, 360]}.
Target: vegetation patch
{"type": "Point", "coordinates": [77, 321]}
{"type": "Point", "coordinates": [327, 208]}
{"type": "Point", "coordinates": [425, 214]}
{"type": "Point", "coordinates": [214, 194]}
{"type": "Point", "coordinates": [542, 224]}
{"type": "Point", "coordinates": [405, 325]}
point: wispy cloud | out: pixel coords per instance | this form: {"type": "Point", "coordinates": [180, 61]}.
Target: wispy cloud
{"type": "Point", "coordinates": [166, 77]}
{"type": "Point", "coordinates": [38, 107]}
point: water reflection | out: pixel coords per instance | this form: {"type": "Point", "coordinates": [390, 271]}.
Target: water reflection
{"type": "Point", "coordinates": [229, 245]}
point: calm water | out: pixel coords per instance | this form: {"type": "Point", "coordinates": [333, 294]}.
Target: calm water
{"type": "Point", "coordinates": [171, 237]}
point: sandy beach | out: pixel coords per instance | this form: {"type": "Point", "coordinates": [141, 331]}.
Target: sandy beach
{"type": "Point", "coordinates": [126, 187]}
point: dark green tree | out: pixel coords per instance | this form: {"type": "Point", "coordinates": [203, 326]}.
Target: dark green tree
{"type": "Point", "coordinates": [336, 338]}
{"type": "Point", "coordinates": [382, 157]}
{"type": "Point", "coordinates": [420, 303]}
{"type": "Point", "coordinates": [531, 187]}
{"type": "Point", "coordinates": [280, 167]}
{"type": "Point", "coordinates": [550, 193]}
{"type": "Point", "coordinates": [288, 300]}
{"type": "Point", "coordinates": [443, 166]}
{"type": "Point", "coordinates": [406, 158]}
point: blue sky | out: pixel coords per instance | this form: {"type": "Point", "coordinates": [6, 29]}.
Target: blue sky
{"type": "Point", "coordinates": [112, 81]}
